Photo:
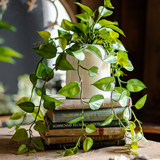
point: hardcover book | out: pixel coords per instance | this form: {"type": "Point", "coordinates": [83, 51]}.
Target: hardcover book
{"type": "Point", "coordinates": [89, 115]}
{"type": "Point", "coordinates": [64, 125]}
{"type": "Point", "coordinates": [74, 139]}
{"type": "Point", "coordinates": [96, 144]}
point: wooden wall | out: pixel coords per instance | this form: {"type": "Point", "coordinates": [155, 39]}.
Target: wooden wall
{"type": "Point", "coordinates": [140, 22]}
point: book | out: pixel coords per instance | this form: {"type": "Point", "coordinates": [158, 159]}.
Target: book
{"type": "Point", "coordinates": [64, 125]}
{"type": "Point", "coordinates": [78, 131]}
{"type": "Point", "coordinates": [77, 104]}
{"type": "Point", "coordinates": [89, 115]}
{"type": "Point", "coordinates": [96, 144]}
{"type": "Point", "coordinates": [74, 139]}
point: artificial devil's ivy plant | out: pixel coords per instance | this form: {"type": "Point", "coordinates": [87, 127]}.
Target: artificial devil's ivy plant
{"type": "Point", "coordinates": [72, 39]}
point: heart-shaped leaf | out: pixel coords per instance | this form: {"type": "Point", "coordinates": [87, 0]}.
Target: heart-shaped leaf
{"type": "Point", "coordinates": [140, 103]}
{"type": "Point", "coordinates": [27, 106]}
{"type": "Point", "coordinates": [38, 114]}
{"type": "Point", "coordinates": [87, 143]}
{"type": "Point", "coordinates": [96, 101]}
{"type": "Point", "coordinates": [90, 128]}
{"type": "Point", "coordinates": [38, 143]}
{"type": "Point", "coordinates": [70, 90]}
{"type": "Point", "coordinates": [105, 84]}
{"type": "Point", "coordinates": [44, 34]}
{"type": "Point", "coordinates": [40, 127]}
{"type": "Point", "coordinates": [20, 135]}
{"type": "Point", "coordinates": [16, 116]}
{"type": "Point", "coordinates": [135, 85]}
{"type": "Point", "coordinates": [108, 120]}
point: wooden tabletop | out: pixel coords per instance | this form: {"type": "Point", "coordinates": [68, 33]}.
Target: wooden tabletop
{"type": "Point", "coordinates": [8, 150]}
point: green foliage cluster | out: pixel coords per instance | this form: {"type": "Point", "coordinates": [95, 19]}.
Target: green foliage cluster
{"type": "Point", "coordinates": [73, 38]}
{"type": "Point", "coordinates": [6, 53]}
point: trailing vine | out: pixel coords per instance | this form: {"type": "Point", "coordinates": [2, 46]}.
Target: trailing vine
{"type": "Point", "coordinates": [72, 39]}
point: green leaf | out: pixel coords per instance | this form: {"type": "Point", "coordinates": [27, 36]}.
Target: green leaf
{"type": "Point", "coordinates": [49, 105]}
{"type": "Point", "coordinates": [20, 135]}
{"type": "Point", "coordinates": [104, 12]}
{"type": "Point", "coordinates": [44, 34]}
{"type": "Point", "coordinates": [66, 25]}
{"type": "Point", "coordinates": [48, 51]}
{"type": "Point", "coordinates": [108, 120]}
{"type": "Point", "coordinates": [27, 106]}
{"type": "Point", "coordinates": [75, 37]}
{"type": "Point", "coordinates": [6, 26]}
{"type": "Point", "coordinates": [23, 99]}
{"type": "Point", "coordinates": [75, 150]}
{"type": "Point", "coordinates": [16, 116]}
{"type": "Point", "coordinates": [96, 101]}
{"type": "Point", "coordinates": [87, 143]}
{"type": "Point", "coordinates": [129, 67]}
{"type": "Point", "coordinates": [38, 143]}
{"type": "Point", "coordinates": [33, 151]}
{"type": "Point", "coordinates": [135, 85]}
{"type": "Point", "coordinates": [108, 4]}
{"type": "Point", "coordinates": [33, 79]}
{"type": "Point", "coordinates": [90, 128]}
{"type": "Point", "coordinates": [93, 71]}
{"type": "Point", "coordinates": [118, 46]}
{"type": "Point", "coordinates": [140, 103]}
{"type": "Point", "coordinates": [115, 28]}
{"type": "Point", "coordinates": [140, 136]}
{"type": "Point", "coordinates": [41, 91]}
{"type": "Point", "coordinates": [47, 74]}
{"type": "Point", "coordinates": [82, 27]}
{"type": "Point", "coordinates": [70, 90]}
{"type": "Point", "coordinates": [23, 148]}
{"type": "Point", "coordinates": [63, 42]}
{"type": "Point", "coordinates": [7, 53]}
{"type": "Point", "coordinates": [40, 127]}
{"type": "Point", "coordinates": [65, 65]}
{"type": "Point", "coordinates": [83, 16]}
{"type": "Point", "coordinates": [39, 116]}
{"type": "Point", "coordinates": [134, 145]}
{"type": "Point", "coordinates": [7, 59]}
{"type": "Point", "coordinates": [114, 35]}
{"type": "Point", "coordinates": [39, 68]}
{"type": "Point", "coordinates": [126, 114]}
{"type": "Point", "coordinates": [79, 54]}
{"type": "Point", "coordinates": [123, 99]}
{"type": "Point", "coordinates": [104, 22]}
{"type": "Point", "coordinates": [76, 120]}
{"type": "Point", "coordinates": [120, 90]}
{"type": "Point", "coordinates": [110, 59]}
{"type": "Point", "coordinates": [68, 152]}
{"type": "Point", "coordinates": [94, 50]}
{"type": "Point", "coordinates": [86, 9]}
{"type": "Point", "coordinates": [51, 99]}
{"type": "Point", "coordinates": [105, 84]}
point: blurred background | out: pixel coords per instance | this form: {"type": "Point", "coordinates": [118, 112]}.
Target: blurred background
{"type": "Point", "coordinates": [139, 19]}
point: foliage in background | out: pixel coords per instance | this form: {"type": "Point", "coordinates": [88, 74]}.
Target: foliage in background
{"type": "Point", "coordinates": [72, 39]}
{"type": "Point", "coordinates": [6, 53]}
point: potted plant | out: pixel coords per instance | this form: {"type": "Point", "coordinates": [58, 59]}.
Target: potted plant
{"type": "Point", "coordinates": [99, 38]}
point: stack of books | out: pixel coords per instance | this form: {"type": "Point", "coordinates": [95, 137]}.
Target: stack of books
{"type": "Point", "coordinates": [62, 134]}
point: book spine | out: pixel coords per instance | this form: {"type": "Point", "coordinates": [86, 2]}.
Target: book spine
{"type": "Point", "coordinates": [96, 144]}
{"type": "Point", "coordinates": [73, 139]}
{"type": "Point", "coordinates": [76, 132]}
{"type": "Point", "coordinates": [89, 115]}
{"type": "Point", "coordinates": [63, 125]}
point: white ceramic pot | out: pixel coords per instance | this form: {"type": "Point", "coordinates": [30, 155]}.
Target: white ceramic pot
{"type": "Point", "coordinates": [90, 61]}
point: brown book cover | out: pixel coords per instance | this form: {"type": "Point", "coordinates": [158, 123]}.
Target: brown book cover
{"type": "Point", "coordinates": [74, 139]}
{"type": "Point", "coordinates": [78, 131]}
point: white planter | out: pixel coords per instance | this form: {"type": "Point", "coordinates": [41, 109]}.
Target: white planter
{"type": "Point", "coordinates": [90, 61]}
